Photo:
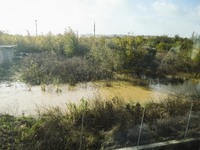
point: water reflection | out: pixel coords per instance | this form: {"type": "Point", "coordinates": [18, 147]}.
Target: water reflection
{"type": "Point", "coordinates": [187, 88]}
{"type": "Point", "coordinates": [17, 98]}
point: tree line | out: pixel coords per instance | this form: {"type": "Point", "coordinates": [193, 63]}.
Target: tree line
{"type": "Point", "coordinates": [69, 57]}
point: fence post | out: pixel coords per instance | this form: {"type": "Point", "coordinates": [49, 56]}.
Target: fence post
{"type": "Point", "coordinates": [12, 132]}
{"type": "Point", "coordinates": [141, 125]}
{"type": "Point", "coordinates": [188, 121]}
{"type": "Point", "coordinates": [80, 147]}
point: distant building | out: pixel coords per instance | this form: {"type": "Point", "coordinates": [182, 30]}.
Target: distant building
{"type": "Point", "coordinates": [6, 53]}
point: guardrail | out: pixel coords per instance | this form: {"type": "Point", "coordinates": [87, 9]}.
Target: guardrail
{"type": "Point", "coordinates": [184, 144]}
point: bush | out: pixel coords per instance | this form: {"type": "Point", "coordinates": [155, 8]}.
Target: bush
{"type": "Point", "coordinates": [106, 124]}
{"type": "Point", "coordinates": [49, 68]}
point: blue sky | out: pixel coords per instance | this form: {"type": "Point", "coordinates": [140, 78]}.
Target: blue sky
{"type": "Point", "coordinates": [139, 17]}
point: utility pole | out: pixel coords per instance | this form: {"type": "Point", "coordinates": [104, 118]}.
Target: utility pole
{"type": "Point", "coordinates": [36, 28]}
{"type": "Point", "coordinates": [94, 29]}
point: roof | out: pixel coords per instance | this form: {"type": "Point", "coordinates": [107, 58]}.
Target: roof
{"type": "Point", "coordinates": [7, 46]}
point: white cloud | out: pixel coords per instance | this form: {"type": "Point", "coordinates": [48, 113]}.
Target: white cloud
{"type": "Point", "coordinates": [164, 8]}
{"type": "Point", "coordinates": [142, 8]}
{"type": "Point", "coordinates": [111, 16]}
{"type": "Point", "coordinates": [197, 11]}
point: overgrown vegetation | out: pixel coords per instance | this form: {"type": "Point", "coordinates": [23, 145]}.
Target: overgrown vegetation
{"type": "Point", "coordinates": [8, 71]}
{"type": "Point", "coordinates": [69, 58]}
{"type": "Point", "coordinates": [106, 125]}
{"type": "Point", "coordinates": [49, 68]}
{"type": "Point", "coordinates": [84, 58]}
{"type": "Point", "coordinates": [5, 71]}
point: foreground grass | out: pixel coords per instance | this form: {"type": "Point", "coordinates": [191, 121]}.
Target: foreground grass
{"type": "Point", "coordinates": [104, 125]}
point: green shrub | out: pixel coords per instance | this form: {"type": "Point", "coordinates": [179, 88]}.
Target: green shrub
{"type": "Point", "coordinates": [47, 68]}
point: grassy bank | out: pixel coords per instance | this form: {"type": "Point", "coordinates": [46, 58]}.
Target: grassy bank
{"type": "Point", "coordinates": [104, 125]}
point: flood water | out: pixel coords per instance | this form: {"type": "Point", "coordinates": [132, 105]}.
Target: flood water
{"type": "Point", "coordinates": [17, 98]}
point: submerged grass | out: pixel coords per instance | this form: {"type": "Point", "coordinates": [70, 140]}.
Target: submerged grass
{"type": "Point", "coordinates": [99, 124]}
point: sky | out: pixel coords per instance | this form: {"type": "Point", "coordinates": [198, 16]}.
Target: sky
{"type": "Point", "coordinates": [135, 17]}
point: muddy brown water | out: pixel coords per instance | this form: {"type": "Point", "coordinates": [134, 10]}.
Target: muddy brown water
{"type": "Point", "coordinates": [17, 98]}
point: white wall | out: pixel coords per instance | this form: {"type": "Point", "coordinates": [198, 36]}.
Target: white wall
{"type": "Point", "coordinates": [6, 55]}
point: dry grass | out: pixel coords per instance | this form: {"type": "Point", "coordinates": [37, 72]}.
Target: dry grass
{"type": "Point", "coordinates": [107, 124]}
